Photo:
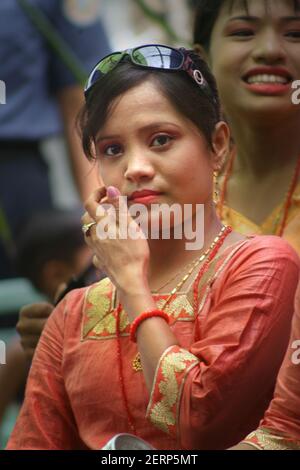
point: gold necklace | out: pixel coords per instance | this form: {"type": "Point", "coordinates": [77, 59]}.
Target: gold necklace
{"type": "Point", "coordinates": [136, 363]}
{"type": "Point", "coordinates": [192, 263]}
{"type": "Point", "coordinates": [198, 261]}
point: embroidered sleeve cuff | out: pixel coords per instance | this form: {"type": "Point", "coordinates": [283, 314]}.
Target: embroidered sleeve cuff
{"type": "Point", "coordinates": [171, 373]}
{"type": "Point", "coordinates": [265, 439]}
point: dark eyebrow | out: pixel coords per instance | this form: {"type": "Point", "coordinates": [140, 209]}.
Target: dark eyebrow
{"type": "Point", "coordinates": [253, 19]}
{"type": "Point", "coordinates": [107, 137]}
{"type": "Point", "coordinates": [157, 125]}
{"type": "Point", "coordinates": [148, 127]}
{"type": "Point", "coordinates": [287, 19]}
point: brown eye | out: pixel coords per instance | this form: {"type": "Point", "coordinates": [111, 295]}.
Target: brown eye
{"type": "Point", "coordinates": [161, 140]}
{"type": "Point", "coordinates": [293, 34]}
{"type": "Point", "coordinates": [113, 150]}
{"type": "Point", "coordinates": [242, 33]}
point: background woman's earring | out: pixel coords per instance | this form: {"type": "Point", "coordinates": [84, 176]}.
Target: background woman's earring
{"type": "Point", "coordinates": [216, 188]}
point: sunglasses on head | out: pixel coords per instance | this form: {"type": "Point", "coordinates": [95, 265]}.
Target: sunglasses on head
{"type": "Point", "coordinates": [153, 56]}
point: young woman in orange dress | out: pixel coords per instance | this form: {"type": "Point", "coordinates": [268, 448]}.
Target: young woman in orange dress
{"type": "Point", "coordinates": [173, 344]}
{"type": "Point", "coordinates": [253, 48]}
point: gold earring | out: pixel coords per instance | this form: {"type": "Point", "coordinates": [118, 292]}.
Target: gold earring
{"type": "Point", "coordinates": [216, 188]}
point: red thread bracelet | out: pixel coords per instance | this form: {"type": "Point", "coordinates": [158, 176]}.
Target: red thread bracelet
{"type": "Point", "coordinates": [144, 316]}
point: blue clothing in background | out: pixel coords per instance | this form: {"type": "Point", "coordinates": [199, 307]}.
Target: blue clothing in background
{"type": "Point", "coordinates": [33, 74]}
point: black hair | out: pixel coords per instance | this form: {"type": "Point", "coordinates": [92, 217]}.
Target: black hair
{"type": "Point", "coordinates": [53, 235]}
{"type": "Point", "coordinates": [178, 87]}
{"type": "Point", "coordinates": [207, 12]}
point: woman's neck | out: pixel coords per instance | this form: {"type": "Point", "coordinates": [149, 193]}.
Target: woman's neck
{"type": "Point", "coordinates": [267, 155]}
{"type": "Point", "coordinates": [264, 149]}
{"type": "Point", "coordinates": [169, 256]}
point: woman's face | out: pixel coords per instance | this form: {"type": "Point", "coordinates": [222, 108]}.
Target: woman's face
{"type": "Point", "coordinates": [255, 56]}
{"type": "Point", "coordinates": [146, 144]}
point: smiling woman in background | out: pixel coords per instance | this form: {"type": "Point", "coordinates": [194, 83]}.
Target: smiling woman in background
{"type": "Point", "coordinates": [253, 48]}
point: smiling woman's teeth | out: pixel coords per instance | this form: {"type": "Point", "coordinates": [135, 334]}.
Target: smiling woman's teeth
{"type": "Point", "coordinates": [267, 79]}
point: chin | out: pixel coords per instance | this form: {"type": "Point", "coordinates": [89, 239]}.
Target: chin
{"type": "Point", "coordinates": [267, 109]}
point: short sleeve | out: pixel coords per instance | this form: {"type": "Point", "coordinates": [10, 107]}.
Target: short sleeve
{"type": "Point", "coordinates": [212, 395]}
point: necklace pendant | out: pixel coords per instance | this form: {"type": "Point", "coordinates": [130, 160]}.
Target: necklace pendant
{"type": "Point", "coordinates": [137, 363]}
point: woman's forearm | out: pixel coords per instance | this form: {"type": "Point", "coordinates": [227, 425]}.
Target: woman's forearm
{"type": "Point", "coordinates": [153, 335]}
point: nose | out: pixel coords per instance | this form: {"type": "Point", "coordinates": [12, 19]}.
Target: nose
{"type": "Point", "coordinates": [139, 167]}
{"type": "Point", "coordinates": [269, 48]}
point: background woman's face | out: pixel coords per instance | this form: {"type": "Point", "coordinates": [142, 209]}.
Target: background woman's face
{"type": "Point", "coordinates": [255, 55]}
{"type": "Point", "coordinates": [147, 144]}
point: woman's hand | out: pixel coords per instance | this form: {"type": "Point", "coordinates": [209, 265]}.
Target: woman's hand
{"type": "Point", "coordinates": [124, 259]}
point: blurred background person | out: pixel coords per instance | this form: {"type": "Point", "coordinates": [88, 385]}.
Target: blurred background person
{"type": "Point", "coordinates": [133, 22]}
{"type": "Point", "coordinates": [51, 250]}
{"type": "Point", "coordinates": [43, 96]}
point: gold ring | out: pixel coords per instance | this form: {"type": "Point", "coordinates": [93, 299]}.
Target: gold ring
{"type": "Point", "coordinates": [87, 227]}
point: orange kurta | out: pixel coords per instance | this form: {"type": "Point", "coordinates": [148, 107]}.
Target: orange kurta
{"type": "Point", "coordinates": [208, 392]}
{"type": "Point", "coordinates": [280, 428]}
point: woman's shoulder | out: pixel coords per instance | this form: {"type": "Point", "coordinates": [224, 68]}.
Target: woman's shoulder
{"type": "Point", "coordinates": [84, 307]}
{"type": "Point", "coordinates": [259, 250]}
{"type": "Point", "coordinates": [85, 295]}
{"type": "Point", "coordinates": [273, 243]}
{"type": "Point", "coordinates": [258, 261]}
{"type": "Point", "coordinates": [76, 302]}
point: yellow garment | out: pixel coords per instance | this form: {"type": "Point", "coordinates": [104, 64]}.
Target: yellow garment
{"type": "Point", "coordinates": [242, 224]}
{"type": "Point", "coordinates": [264, 439]}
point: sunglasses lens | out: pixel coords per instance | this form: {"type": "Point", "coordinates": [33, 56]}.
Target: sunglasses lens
{"type": "Point", "coordinates": [109, 63]}
{"type": "Point", "coordinates": [105, 65]}
{"type": "Point", "coordinates": [155, 56]}
{"type": "Point", "coordinates": [159, 57]}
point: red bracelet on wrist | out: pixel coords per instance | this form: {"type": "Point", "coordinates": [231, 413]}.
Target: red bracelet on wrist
{"type": "Point", "coordinates": [144, 316]}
